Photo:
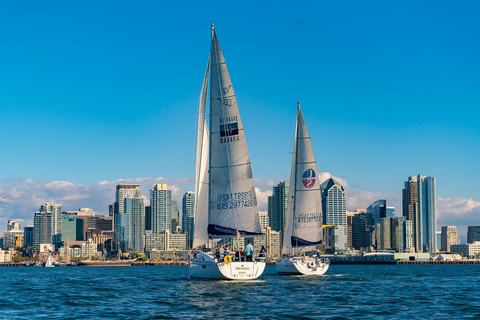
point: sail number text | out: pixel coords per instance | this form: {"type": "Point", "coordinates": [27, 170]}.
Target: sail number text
{"type": "Point", "coordinates": [235, 200]}
{"type": "Point", "coordinates": [234, 196]}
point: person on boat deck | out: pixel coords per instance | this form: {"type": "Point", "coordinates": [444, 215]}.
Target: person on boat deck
{"type": "Point", "coordinates": [262, 252]}
{"type": "Point", "coordinates": [239, 254]}
{"type": "Point", "coordinates": [249, 250]}
{"type": "Point", "coordinates": [227, 249]}
{"type": "Point", "coordinates": [220, 251]}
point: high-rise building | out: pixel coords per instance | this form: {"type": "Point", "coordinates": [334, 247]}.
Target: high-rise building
{"type": "Point", "coordinates": [362, 227]}
{"type": "Point", "coordinates": [72, 228]}
{"type": "Point", "coordinates": [47, 225]}
{"type": "Point", "coordinates": [335, 239]}
{"type": "Point", "coordinates": [28, 235]}
{"type": "Point", "coordinates": [148, 218]}
{"type": "Point", "coordinates": [394, 234]}
{"type": "Point", "coordinates": [277, 206]}
{"type": "Point", "coordinates": [401, 233]}
{"type": "Point", "coordinates": [161, 205]}
{"type": "Point", "coordinates": [419, 206]}
{"type": "Point", "coordinates": [380, 210]}
{"type": "Point", "coordinates": [84, 217]}
{"type": "Point", "coordinates": [129, 217]}
{"type": "Point", "coordinates": [175, 216]}
{"type": "Point", "coordinates": [263, 216]}
{"type": "Point", "coordinates": [333, 203]}
{"type": "Point", "coordinates": [473, 234]}
{"type": "Point", "coordinates": [13, 237]}
{"type": "Point", "coordinates": [188, 207]}
{"type": "Point", "coordinates": [449, 237]}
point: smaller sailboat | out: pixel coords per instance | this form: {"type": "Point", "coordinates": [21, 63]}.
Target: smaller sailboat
{"type": "Point", "coordinates": [303, 227]}
{"type": "Point", "coordinates": [49, 263]}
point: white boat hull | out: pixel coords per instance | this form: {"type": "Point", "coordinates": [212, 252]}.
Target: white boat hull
{"type": "Point", "coordinates": [236, 270]}
{"type": "Point", "coordinates": [303, 266]}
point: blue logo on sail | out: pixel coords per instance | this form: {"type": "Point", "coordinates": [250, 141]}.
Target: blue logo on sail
{"type": "Point", "coordinates": [309, 178]}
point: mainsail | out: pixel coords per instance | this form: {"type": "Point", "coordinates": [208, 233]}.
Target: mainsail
{"type": "Point", "coordinates": [233, 202]}
{"type": "Point", "coordinates": [304, 213]}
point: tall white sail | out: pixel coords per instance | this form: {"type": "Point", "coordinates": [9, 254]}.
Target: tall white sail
{"type": "Point", "coordinates": [304, 213]}
{"type": "Point", "coordinates": [233, 202]}
{"type": "Point", "coordinates": [200, 235]}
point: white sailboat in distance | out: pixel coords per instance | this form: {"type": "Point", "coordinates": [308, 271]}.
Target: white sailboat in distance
{"type": "Point", "coordinates": [225, 199]}
{"type": "Point", "coordinates": [303, 226]}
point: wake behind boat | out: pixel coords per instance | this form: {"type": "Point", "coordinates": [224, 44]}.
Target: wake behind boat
{"type": "Point", "coordinates": [225, 199]}
{"type": "Point", "coordinates": [303, 228]}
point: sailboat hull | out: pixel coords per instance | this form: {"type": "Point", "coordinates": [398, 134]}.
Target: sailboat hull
{"type": "Point", "coordinates": [302, 266]}
{"type": "Point", "coordinates": [236, 270]}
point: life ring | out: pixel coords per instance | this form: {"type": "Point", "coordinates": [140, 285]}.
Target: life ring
{"type": "Point", "coordinates": [227, 259]}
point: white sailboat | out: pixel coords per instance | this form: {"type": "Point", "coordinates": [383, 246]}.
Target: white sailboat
{"type": "Point", "coordinates": [49, 263]}
{"type": "Point", "coordinates": [225, 199]}
{"type": "Point", "coordinates": [303, 227]}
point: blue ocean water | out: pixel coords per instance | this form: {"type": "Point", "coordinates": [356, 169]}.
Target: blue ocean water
{"type": "Point", "coordinates": [345, 292]}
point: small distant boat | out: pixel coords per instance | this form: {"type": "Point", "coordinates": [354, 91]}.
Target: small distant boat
{"type": "Point", "coordinates": [49, 263]}
{"type": "Point", "coordinates": [303, 226]}
{"type": "Point", "coordinates": [105, 263]}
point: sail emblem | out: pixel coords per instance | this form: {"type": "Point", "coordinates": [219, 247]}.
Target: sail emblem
{"type": "Point", "coordinates": [229, 129]}
{"type": "Point", "coordinates": [309, 178]}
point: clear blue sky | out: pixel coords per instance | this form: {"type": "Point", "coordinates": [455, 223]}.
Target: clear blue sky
{"type": "Point", "coordinates": [93, 91]}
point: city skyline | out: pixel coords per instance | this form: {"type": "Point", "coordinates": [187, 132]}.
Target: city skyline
{"type": "Point", "coordinates": [389, 93]}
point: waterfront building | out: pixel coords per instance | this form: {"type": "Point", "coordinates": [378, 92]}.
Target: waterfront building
{"type": "Point", "coordinates": [473, 234]}
{"type": "Point", "coordinates": [277, 206]}
{"type": "Point", "coordinates": [161, 205]}
{"type": "Point", "coordinates": [335, 239]}
{"type": "Point", "coordinates": [449, 237]}
{"type": "Point", "coordinates": [394, 234]}
{"type": "Point", "coordinates": [271, 240]}
{"type": "Point", "coordinates": [419, 206]}
{"type": "Point", "coordinates": [362, 228]}
{"type": "Point", "coordinates": [188, 207]}
{"type": "Point", "coordinates": [154, 241]}
{"type": "Point", "coordinates": [72, 228]}
{"type": "Point", "coordinates": [175, 241]}
{"type": "Point", "coordinates": [28, 235]}
{"type": "Point", "coordinates": [5, 256]}
{"type": "Point", "coordinates": [469, 250]}
{"type": "Point", "coordinates": [13, 237]}
{"type": "Point", "coordinates": [47, 225]}
{"type": "Point", "coordinates": [263, 216]}
{"type": "Point", "coordinates": [384, 234]}
{"type": "Point", "coordinates": [333, 203]}
{"type": "Point", "coordinates": [129, 217]}
{"type": "Point", "coordinates": [175, 216]}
